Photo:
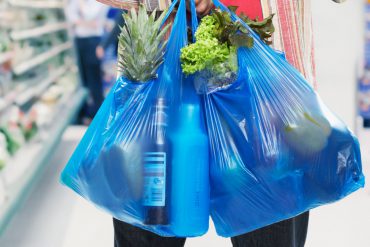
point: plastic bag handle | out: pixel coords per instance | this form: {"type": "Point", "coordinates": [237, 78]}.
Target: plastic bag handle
{"type": "Point", "coordinates": [194, 18]}
{"type": "Point", "coordinates": [180, 11]}
{"type": "Point", "coordinates": [169, 12]}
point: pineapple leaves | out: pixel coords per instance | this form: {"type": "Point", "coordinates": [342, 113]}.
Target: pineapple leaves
{"type": "Point", "coordinates": [141, 45]}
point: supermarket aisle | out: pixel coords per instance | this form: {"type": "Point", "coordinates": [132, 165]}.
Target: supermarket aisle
{"type": "Point", "coordinates": [54, 216]}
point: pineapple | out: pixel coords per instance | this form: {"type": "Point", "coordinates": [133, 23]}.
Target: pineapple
{"type": "Point", "coordinates": [141, 45]}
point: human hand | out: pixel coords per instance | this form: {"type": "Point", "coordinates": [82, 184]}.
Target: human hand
{"type": "Point", "coordinates": [99, 52]}
{"type": "Point", "coordinates": [203, 6]}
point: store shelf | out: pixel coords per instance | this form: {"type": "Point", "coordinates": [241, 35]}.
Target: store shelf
{"type": "Point", "coordinates": [36, 91]}
{"type": "Point", "coordinates": [39, 59]}
{"type": "Point", "coordinates": [31, 89]}
{"type": "Point", "coordinates": [23, 171]}
{"type": "Point", "coordinates": [10, 97]}
{"type": "Point", "coordinates": [43, 4]}
{"type": "Point", "coordinates": [6, 56]}
{"type": "Point", "coordinates": [38, 31]}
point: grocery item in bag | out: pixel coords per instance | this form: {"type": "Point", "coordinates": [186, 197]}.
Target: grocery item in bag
{"type": "Point", "coordinates": [276, 150]}
{"type": "Point", "coordinates": [134, 158]}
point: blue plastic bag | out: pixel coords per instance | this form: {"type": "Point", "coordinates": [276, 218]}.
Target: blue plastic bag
{"type": "Point", "coordinates": [125, 162]}
{"type": "Point", "coordinates": [276, 150]}
{"type": "Point", "coordinates": [269, 149]}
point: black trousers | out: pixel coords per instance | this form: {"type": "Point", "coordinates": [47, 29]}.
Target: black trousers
{"type": "Point", "coordinates": [90, 73]}
{"type": "Point", "coordinates": [288, 233]}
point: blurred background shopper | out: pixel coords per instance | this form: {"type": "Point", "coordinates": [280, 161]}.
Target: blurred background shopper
{"type": "Point", "coordinates": [112, 37]}
{"type": "Point", "coordinates": [88, 19]}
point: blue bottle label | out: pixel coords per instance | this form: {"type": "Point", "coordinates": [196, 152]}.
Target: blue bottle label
{"type": "Point", "coordinates": [155, 179]}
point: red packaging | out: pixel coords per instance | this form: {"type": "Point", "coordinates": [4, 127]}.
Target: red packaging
{"type": "Point", "coordinates": [251, 8]}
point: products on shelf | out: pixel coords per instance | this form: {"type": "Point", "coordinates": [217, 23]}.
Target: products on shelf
{"type": "Point", "coordinates": [28, 124]}
{"type": "Point", "coordinates": [15, 130]}
{"type": "Point", "coordinates": [32, 41]}
{"type": "Point", "coordinates": [5, 80]}
{"type": "Point", "coordinates": [36, 74]}
{"type": "Point", "coordinates": [5, 56]}
{"type": "Point", "coordinates": [11, 142]}
{"type": "Point", "coordinates": [4, 42]}
{"type": "Point", "coordinates": [68, 82]}
{"type": "Point", "coordinates": [4, 154]}
{"type": "Point", "coordinates": [52, 95]}
{"type": "Point", "coordinates": [43, 112]}
{"type": "Point", "coordinates": [12, 130]}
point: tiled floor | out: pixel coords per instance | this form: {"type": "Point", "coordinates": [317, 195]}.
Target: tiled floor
{"type": "Point", "coordinates": [54, 216]}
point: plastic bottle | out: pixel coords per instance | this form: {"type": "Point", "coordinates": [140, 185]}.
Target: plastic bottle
{"type": "Point", "coordinates": [190, 175]}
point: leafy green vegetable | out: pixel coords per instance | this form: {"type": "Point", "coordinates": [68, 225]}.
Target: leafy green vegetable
{"type": "Point", "coordinates": [210, 51]}
{"type": "Point", "coordinates": [230, 32]}
{"type": "Point", "coordinates": [264, 28]}
{"type": "Point", "coordinates": [205, 53]}
{"type": "Point", "coordinates": [207, 29]}
{"type": "Point", "coordinates": [217, 41]}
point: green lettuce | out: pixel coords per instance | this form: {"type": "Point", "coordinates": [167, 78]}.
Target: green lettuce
{"type": "Point", "coordinates": [217, 41]}
{"type": "Point", "coordinates": [208, 52]}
